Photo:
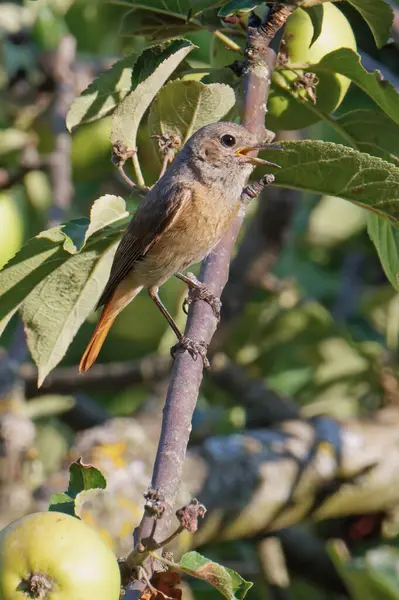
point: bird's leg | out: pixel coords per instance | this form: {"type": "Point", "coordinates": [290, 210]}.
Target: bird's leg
{"type": "Point", "coordinates": [194, 348]}
{"type": "Point", "coordinates": [199, 291]}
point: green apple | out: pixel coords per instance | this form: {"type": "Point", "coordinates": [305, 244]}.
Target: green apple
{"type": "Point", "coordinates": [53, 556]}
{"type": "Point", "coordinates": [12, 226]}
{"type": "Point", "coordinates": [284, 111]}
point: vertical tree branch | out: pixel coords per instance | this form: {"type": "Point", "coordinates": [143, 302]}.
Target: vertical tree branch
{"type": "Point", "coordinates": [263, 41]}
{"type": "Point", "coordinates": [60, 166]}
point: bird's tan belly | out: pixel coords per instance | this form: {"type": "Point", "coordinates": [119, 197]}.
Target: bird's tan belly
{"type": "Point", "coordinates": [187, 242]}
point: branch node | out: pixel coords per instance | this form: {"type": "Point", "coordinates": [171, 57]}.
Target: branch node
{"type": "Point", "coordinates": [154, 503]}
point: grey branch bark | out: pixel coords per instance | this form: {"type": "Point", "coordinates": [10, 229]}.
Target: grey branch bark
{"type": "Point", "coordinates": [186, 374]}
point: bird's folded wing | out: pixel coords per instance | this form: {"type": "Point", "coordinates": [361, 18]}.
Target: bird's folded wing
{"type": "Point", "coordinates": [155, 215]}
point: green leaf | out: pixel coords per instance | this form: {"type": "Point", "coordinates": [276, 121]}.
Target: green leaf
{"type": "Point", "coordinates": [373, 576]}
{"type": "Point", "coordinates": [55, 286]}
{"type": "Point", "coordinates": [84, 477]}
{"type": "Point", "coordinates": [62, 503]}
{"type": "Point", "coordinates": [152, 69]}
{"type": "Point", "coordinates": [316, 16]}
{"type": "Point", "coordinates": [385, 238]}
{"type": "Point", "coordinates": [237, 6]}
{"type": "Point", "coordinates": [378, 14]}
{"type": "Point", "coordinates": [84, 481]}
{"type": "Point", "coordinates": [182, 107]}
{"type": "Point", "coordinates": [157, 27]}
{"type": "Point", "coordinates": [228, 582]}
{"type": "Point", "coordinates": [347, 62]}
{"type": "Point", "coordinates": [335, 170]}
{"type": "Point", "coordinates": [36, 259]}
{"type": "Point", "coordinates": [176, 8]}
{"type": "Point", "coordinates": [59, 305]}
{"type": "Point", "coordinates": [104, 93]}
{"type": "Point", "coordinates": [372, 132]}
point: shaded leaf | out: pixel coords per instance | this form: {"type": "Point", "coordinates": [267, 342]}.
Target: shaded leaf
{"type": "Point", "coordinates": [84, 481]}
{"type": "Point", "coordinates": [335, 170]}
{"type": "Point", "coordinates": [152, 69]}
{"type": "Point", "coordinates": [84, 477]}
{"type": "Point", "coordinates": [316, 16]}
{"type": "Point", "coordinates": [62, 503]}
{"type": "Point", "coordinates": [372, 132]}
{"type": "Point", "coordinates": [347, 62]}
{"type": "Point", "coordinates": [183, 107]}
{"type": "Point", "coordinates": [378, 14]}
{"type": "Point", "coordinates": [236, 6]}
{"type": "Point", "coordinates": [176, 8]}
{"type": "Point", "coordinates": [158, 27]}
{"type": "Point", "coordinates": [385, 238]}
{"type": "Point", "coordinates": [373, 576]}
{"type": "Point", "coordinates": [228, 582]}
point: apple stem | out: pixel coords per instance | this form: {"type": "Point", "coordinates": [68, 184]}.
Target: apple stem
{"type": "Point", "coordinates": [38, 586]}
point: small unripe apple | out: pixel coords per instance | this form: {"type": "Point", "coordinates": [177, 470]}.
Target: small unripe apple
{"type": "Point", "coordinates": [54, 556]}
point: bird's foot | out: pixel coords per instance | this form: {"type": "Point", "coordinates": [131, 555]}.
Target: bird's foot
{"type": "Point", "coordinates": [194, 348]}
{"type": "Point", "coordinates": [200, 291]}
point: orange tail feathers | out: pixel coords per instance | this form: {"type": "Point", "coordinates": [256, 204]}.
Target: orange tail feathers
{"type": "Point", "coordinates": [124, 294]}
{"type": "Point", "coordinates": [97, 339]}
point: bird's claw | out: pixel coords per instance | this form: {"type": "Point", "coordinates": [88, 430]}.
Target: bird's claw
{"type": "Point", "coordinates": [194, 348]}
{"type": "Point", "coordinates": [203, 293]}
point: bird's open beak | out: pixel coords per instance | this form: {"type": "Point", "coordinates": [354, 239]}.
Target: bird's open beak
{"type": "Point", "coordinates": [243, 152]}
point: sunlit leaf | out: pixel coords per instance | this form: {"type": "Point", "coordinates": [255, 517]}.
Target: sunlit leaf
{"type": "Point", "coordinates": [57, 278]}
{"type": "Point", "coordinates": [57, 307]}
{"type": "Point", "coordinates": [229, 583]}
{"type": "Point", "coordinates": [182, 107]}
{"type": "Point", "coordinates": [152, 69]}
{"type": "Point", "coordinates": [335, 170]}
{"type": "Point", "coordinates": [103, 94]}
{"type": "Point", "coordinates": [347, 62]}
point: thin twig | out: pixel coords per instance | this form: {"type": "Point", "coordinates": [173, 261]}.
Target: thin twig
{"type": "Point", "coordinates": [227, 41]}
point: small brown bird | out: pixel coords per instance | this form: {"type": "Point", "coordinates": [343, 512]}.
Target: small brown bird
{"type": "Point", "coordinates": [179, 222]}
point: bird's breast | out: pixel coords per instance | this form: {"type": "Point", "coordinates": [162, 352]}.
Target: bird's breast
{"type": "Point", "coordinates": [197, 229]}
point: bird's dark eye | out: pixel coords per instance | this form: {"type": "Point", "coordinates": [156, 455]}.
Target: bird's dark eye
{"type": "Point", "coordinates": [228, 140]}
